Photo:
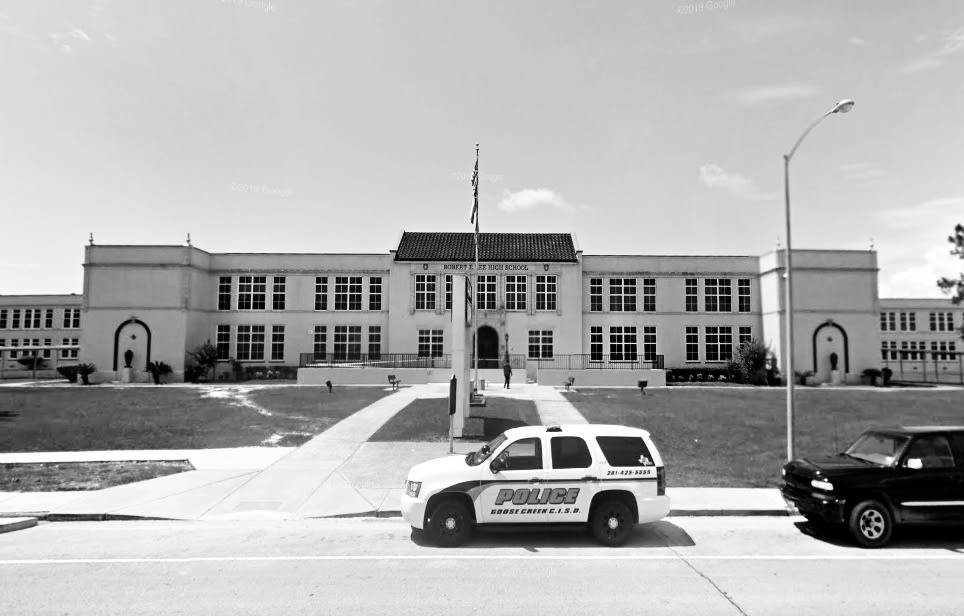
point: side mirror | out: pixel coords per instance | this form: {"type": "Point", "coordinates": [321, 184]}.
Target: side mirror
{"type": "Point", "coordinates": [497, 464]}
{"type": "Point", "coordinates": [914, 463]}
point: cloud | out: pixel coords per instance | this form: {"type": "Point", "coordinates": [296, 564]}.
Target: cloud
{"type": "Point", "coordinates": [77, 33]}
{"type": "Point", "coordinates": [860, 171]}
{"type": "Point", "coordinates": [914, 251]}
{"type": "Point", "coordinates": [951, 44]}
{"type": "Point", "coordinates": [529, 198]}
{"type": "Point", "coordinates": [856, 40]}
{"type": "Point", "coordinates": [760, 95]}
{"type": "Point", "coordinates": [713, 176]}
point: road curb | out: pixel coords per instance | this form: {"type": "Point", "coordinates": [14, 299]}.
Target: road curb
{"type": "Point", "coordinates": [9, 525]}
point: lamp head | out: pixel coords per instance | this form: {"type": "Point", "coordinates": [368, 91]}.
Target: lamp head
{"type": "Point", "coordinates": [843, 106]}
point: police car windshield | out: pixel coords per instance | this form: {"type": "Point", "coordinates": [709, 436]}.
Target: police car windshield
{"type": "Point", "coordinates": [877, 448]}
{"type": "Point", "coordinates": [478, 457]}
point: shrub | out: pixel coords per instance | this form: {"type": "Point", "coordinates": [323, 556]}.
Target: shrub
{"type": "Point", "coordinates": [752, 361]}
{"type": "Point", "coordinates": [85, 370]}
{"type": "Point", "coordinates": [206, 356]}
{"type": "Point", "coordinates": [157, 370]}
{"type": "Point", "coordinates": [802, 376]}
{"type": "Point", "coordinates": [68, 372]}
{"type": "Point", "coordinates": [872, 374]}
{"type": "Point", "coordinates": [30, 362]}
{"type": "Point", "coordinates": [193, 373]}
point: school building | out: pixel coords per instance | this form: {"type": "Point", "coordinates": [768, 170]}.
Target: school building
{"type": "Point", "coordinates": [541, 303]}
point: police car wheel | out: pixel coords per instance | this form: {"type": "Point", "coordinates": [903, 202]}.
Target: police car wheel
{"type": "Point", "coordinates": [450, 524]}
{"type": "Point", "coordinates": [611, 523]}
{"type": "Point", "coordinates": [871, 524]}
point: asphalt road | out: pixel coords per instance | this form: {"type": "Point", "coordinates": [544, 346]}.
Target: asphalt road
{"type": "Point", "coordinates": [737, 566]}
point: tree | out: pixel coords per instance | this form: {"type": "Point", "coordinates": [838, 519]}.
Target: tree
{"type": "Point", "coordinates": [206, 356]}
{"type": "Point", "coordinates": [752, 359]}
{"type": "Point", "coordinates": [949, 285]}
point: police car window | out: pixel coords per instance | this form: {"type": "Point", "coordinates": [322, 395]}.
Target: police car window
{"type": "Point", "coordinates": [570, 452]}
{"type": "Point", "coordinates": [625, 450]}
{"type": "Point", "coordinates": [933, 452]}
{"type": "Point", "coordinates": [524, 454]}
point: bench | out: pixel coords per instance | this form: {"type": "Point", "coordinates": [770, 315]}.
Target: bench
{"type": "Point", "coordinates": [569, 382]}
{"type": "Point", "coordinates": [393, 381]}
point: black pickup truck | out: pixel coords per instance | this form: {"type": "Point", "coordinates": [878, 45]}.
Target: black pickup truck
{"type": "Point", "coordinates": [886, 478]}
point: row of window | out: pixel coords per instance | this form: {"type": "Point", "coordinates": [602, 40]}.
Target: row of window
{"type": "Point", "coordinates": [912, 349]}
{"type": "Point", "coordinates": [73, 353]}
{"type": "Point", "coordinates": [515, 292]}
{"type": "Point", "coordinates": [573, 452]}
{"type": "Point", "coordinates": [938, 321]}
{"type": "Point", "coordinates": [253, 293]}
{"type": "Point", "coordinates": [38, 318]}
{"type": "Point", "coordinates": [717, 295]}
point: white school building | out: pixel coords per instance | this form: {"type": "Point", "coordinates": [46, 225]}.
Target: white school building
{"type": "Point", "coordinates": [555, 311]}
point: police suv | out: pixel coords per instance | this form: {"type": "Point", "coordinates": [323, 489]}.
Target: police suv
{"type": "Point", "coordinates": [610, 477]}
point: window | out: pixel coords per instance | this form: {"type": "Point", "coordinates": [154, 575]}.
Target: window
{"type": "Point", "coordinates": [523, 455]}
{"type": "Point", "coordinates": [448, 291]}
{"type": "Point", "coordinates": [943, 350]}
{"type": "Point", "coordinates": [622, 343]}
{"type": "Point", "coordinates": [375, 293]}
{"type": "Point", "coordinates": [14, 354]}
{"type": "Point", "coordinates": [933, 451]}
{"type": "Point", "coordinates": [320, 347]}
{"type": "Point", "coordinates": [649, 295]}
{"type": "Point", "coordinates": [692, 299]}
{"type": "Point", "coordinates": [224, 293]}
{"type": "Point", "coordinates": [515, 292]}
{"type": "Point", "coordinates": [49, 318]}
{"type": "Point", "coordinates": [374, 342]}
{"type": "Point", "coordinates": [348, 292]}
{"type": "Point", "coordinates": [942, 321]}
{"type": "Point", "coordinates": [718, 295]}
{"type": "Point", "coordinates": [31, 318]}
{"type": "Point", "coordinates": [485, 294]}
{"type": "Point", "coordinates": [595, 343]}
{"type": "Point", "coordinates": [692, 344]}
{"type": "Point", "coordinates": [649, 343]}
{"type": "Point", "coordinates": [277, 343]}
{"type": "Point", "coordinates": [251, 292]}
{"type": "Point", "coordinates": [250, 342]}
{"type": "Point", "coordinates": [71, 318]}
{"type": "Point", "coordinates": [347, 342]}
{"type": "Point", "coordinates": [745, 335]}
{"type": "Point", "coordinates": [540, 344]}
{"type": "Point", "coordinates": [278, 292]}
{"type": "Point", "coordinates": [743, 294]}
{"type": "Point", "coordinates": [425, 292]}
{"type": "Point", "coordinates": [545, 292]}
{"type": "Point", "coordinates": [73, 353]}
{"type": "Point", "coordinates": [3, 318]}
{"type": "Point", "coordinates": [908, 322]}
{"type": "Point", "coordinates": [719, 343]}
{"type": "Point", "coordinates": [429, 343]}
{"type": "Point", "coordinates": [321, 292]}
{"type": "Point", "coordinates": [46, 352]}
{"type": "Point", "coordinates": [622, 294]}
{"type": "Point", "coordinates": [625, 450]}
{"type": "Point", "coordinates": [224, 342]}
{"type": "Point", "coordinates": [16, 319]}
{"type": "Point", "coordinates": [888, 350]}
{"type": "Point", "coordinates": [569, 452]}
{"type": "Point", "coordinates": [595, 295]}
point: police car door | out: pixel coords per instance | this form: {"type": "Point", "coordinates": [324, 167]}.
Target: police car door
{"type": "Point", "coordinates": [571, 481]}
{"type": "Point", "coordinates": [511, 484]}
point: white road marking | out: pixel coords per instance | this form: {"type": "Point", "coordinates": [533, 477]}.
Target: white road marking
{"type": "Point", "coordinates": [474, 557]}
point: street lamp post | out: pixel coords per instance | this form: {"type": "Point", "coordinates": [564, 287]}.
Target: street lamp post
{"type": "Point", "coordinates": [842, 107]}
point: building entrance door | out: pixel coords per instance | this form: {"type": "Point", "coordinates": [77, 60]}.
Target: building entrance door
{"type": "Point", "coordinates": [488, 347]}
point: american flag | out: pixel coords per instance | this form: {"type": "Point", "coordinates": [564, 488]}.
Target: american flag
{"type": "Point", "coordinates": [475, 189]}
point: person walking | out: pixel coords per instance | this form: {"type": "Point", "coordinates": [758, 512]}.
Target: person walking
{"type": "Point", "coordinates": [507, 371]}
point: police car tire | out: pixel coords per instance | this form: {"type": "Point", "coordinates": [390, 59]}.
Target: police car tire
{"type": "Point", "coordinates": [871, 524]}
{"type": "Point", "coordinates": [448, 512]}
{"type": "Point", "coordinates": [600, 523]}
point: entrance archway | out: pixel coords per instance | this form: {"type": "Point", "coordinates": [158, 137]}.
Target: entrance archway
{"type": "Point", "coordinates": [488, 347]}
{"type": "Point", "coordinates": [825, 342]}
{"type": "Point", "coordinates": [135, 335]}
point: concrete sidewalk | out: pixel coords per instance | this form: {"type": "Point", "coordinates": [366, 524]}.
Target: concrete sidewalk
{"type": "Point", "coordinates": [336, 474]}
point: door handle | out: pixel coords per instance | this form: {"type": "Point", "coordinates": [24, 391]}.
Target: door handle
{"type": "Point", "coordinates": [535, 480]}
{"type": "Point", "coordinates": [588, 479]}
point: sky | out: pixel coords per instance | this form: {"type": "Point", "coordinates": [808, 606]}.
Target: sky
{"type": "Point", "coordinates": [651, 127]}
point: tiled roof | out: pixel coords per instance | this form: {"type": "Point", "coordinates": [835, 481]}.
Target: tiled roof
{"type": "Point", "coordinates": [418, 246]}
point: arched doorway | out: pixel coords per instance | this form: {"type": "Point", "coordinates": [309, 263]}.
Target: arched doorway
{"type": "Point", "coordinates": [488, 347]}
{"type": "Point", "coordinates": [135, 335]}
{"type": "Point", "coordinates": [830, 337]}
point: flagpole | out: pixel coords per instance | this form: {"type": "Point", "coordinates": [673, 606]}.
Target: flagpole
{"type": "Point", "coordinates": [475, 303]}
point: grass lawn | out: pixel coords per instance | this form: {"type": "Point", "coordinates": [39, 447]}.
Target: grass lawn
{"type": "Point", "coordinates": [109, 418]}
{"type": "Point", "coordinates": [736, 437]}
{"type": "Point", "coordinates": [55, 477]}
{"type": "Point", "coordinates": [427, 419]}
